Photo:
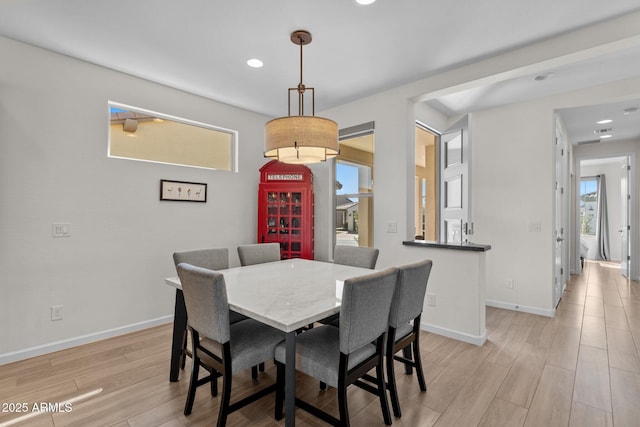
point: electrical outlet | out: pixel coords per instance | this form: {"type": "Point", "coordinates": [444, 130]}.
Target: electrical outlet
{"type": "Point", "coordinates": [509, 283]}
{"type": "Point", "coordinates": [392, 227]}
{"type": "Point", "coordinates": [431, 299]}
{"type": "Point", "coordinates": [56, 312]}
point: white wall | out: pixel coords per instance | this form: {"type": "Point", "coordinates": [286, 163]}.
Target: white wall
{"type": "Point", "coordinates": [54, 168]}
{"type": "Point", "coordinates": [513, 186]}
{"type": "Point", "coordinates": [513, 169]}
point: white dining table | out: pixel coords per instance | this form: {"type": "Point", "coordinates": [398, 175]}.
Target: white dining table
{"type": "Point", "coordinates": [286, 295]}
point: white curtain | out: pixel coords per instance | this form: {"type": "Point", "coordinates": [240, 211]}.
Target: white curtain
{"type": "Point", "coordinates": [602, 224]}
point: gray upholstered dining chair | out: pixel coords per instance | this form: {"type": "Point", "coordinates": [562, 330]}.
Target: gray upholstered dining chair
{"type": "Point", "coordinates": [258, 253]}
{"type": "Point", "coordinates": [404, 325]}
{"type": "Point", "coordinates": [212, 259]}
{"type": "Point", "coordinates": [341, 356]}
{"type": "Point", "coordinates": [223, 349]}
{"type": "Point", "coordinates": [356, 256]}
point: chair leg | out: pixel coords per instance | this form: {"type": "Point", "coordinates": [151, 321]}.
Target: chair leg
{"type": "Point", "coordinates": [391, 381]}
{"type": "Point", "coordinates": [279, 391]}
{"type": "Point", "coordinates": [342, 406]}
{"type": "Point", "coordinates": [323, 385]}
{"type": "Point", "coordinates": [261, 367]}
{"type": "Point", "coordinates": [382, 393]}
{"type": "Point", "coordinates": [184, 350]}
{"type": "Point", "coordinates": [254, 372]}
{"type": "Point", "coordinates": [214, 383]}
{"type": "Point", "coordinates": [226, 397]}
{"type": "Point", "coordinates": [406, 352]}
{"type": "Point", "coordinates": [193, 385]}
{"type": "Point", "coordinates": [418, 363]}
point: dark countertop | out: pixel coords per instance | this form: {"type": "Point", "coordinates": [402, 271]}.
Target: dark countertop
{"type": "Point", "coordinates": [474, 247]}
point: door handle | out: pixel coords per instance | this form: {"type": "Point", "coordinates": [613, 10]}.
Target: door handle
{"type": "Point", "coordinates": [559, 239]}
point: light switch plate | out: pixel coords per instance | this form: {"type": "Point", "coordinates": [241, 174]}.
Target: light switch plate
{"type": "Point", "coordinates": [535, 227]}
{"type": "Point", "coordinates": [61, 229]}
{"type": "Point", "coordinates": [56, 312]}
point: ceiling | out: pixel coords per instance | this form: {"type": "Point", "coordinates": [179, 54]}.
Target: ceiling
{"type": "Point", "coordinates": [201, 46]}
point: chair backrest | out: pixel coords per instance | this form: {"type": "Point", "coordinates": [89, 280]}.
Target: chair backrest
{"type": "Point", "coordinates": [259, 253]}
{"type": "Point", "coordinates": [364, 314]}
{"type": "Point", "coordinates": [205, 295]}
{"type": "Point", "coordinates": [212, 259]}
{"type": "Point", "coordinates": [408, 298]}
{"type": "Point", "coordinates": [356, 256]}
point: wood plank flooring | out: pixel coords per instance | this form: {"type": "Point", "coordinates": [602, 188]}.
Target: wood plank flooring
{"type": "Point", "coordinates": [580, 368]}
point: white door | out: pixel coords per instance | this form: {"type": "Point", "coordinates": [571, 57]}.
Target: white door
{"type": "Point", "coordinates": [625, 196]}
{"type": "Point", "coordinates": [559, 280]}
{"type": "Point", "coordinates": [454, 191]}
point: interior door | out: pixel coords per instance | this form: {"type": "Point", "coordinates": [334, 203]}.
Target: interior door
{"type": "Point", "coordinates": [455, 226]}
{"type": "Point", "coordinates": [624, 230]}
{"type": "Point", "coordinates": [559, 250]}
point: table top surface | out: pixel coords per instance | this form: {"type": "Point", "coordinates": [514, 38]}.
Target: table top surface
{"type": "Point", "coordinates": [287, 294]}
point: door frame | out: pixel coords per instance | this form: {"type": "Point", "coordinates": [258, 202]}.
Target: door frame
{"type": "Point", "coordinates": [634, 262]}
{"type": "Point", "coordinates": [625, 178]}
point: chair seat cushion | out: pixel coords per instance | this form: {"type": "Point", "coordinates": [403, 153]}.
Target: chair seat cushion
{"type": "Point", "coordinates": [252, 343]}
{"type": "Point", "coordinates": [319, 351]}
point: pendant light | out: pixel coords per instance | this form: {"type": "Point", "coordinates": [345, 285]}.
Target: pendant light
{"type": "Point", "coordinates": [301, 139]}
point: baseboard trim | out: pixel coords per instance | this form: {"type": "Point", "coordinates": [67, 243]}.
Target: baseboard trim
{"type": "Point", "coordinates": [456, 335]}
{"type": "Point", "coordinates": [83, 339]}
{"type": "Point", "coordinates": [523, 308]}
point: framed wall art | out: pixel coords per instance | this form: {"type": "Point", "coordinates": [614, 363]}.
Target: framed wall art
{"type": "Point", "coordinates": [181, 191]}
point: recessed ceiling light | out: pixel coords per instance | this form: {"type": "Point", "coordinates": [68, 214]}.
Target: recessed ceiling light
{"type": "Point", "coordinates": [604, 122]}
{"type": "Point", "coordinates": [365, 2]}
{"type": "Point", "coordinates": [602, 131]}
{"type": "Point", "coordinates": [255, 63]}
{"type": "Point", "coordinates": [606, 136]}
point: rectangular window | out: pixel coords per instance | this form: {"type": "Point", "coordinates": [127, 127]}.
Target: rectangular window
{"type": "Point", "coordinates": [588, 206]}
{"type": "Point", "coordinates": [354, 188]}
{"type": "Point", "coordinates": [139, 134]}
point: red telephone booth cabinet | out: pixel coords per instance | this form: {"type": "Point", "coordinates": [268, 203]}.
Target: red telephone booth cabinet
{"type": "Point", "coordinates": [285, 208]}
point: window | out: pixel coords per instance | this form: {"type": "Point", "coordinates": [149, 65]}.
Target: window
{"type": "Point", "coordinates": [588, 206]}
{"type": "Point", "coordinates": [139, 134]}
{"type": "Point", "coordinates": [354, 187]}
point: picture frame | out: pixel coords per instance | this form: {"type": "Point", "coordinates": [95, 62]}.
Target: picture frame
{"type": "Point", "coordinates": [183, 191]}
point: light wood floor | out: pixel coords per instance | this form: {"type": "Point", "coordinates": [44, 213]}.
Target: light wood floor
{"type": "Point", "coordinates": [580, 368]}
